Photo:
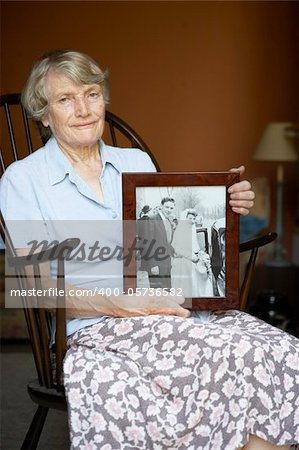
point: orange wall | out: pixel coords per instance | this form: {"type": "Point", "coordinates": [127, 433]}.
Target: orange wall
{"type": "Point", "coordinates": [198, 80]}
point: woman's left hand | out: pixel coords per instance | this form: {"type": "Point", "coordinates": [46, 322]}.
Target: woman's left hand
{"type": "Point", "coordinates": [241, 195]}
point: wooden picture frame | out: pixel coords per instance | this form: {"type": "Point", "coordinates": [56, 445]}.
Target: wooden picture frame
{"type": "Point", "coordinates": [199, 218]}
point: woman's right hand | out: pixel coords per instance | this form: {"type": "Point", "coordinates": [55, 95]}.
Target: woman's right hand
{"type": "Point", "coordinates": [147, 304]}
{"type": "Point", "coordinates": [83, 306]}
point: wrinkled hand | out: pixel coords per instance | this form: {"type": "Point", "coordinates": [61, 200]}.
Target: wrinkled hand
{"type": "Point", "coordinates": [150, 303]}
{"type": "Point", "coordinates": [241, 195]}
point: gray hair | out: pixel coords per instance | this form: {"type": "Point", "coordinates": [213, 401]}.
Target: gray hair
{"type": "Point", "coordinates": [79, 67]}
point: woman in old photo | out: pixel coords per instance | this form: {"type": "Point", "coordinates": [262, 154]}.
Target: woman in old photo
{"type": "Point", "coordinates": [191, 266]}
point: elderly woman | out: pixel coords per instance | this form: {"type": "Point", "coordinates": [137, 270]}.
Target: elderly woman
{"type": "Point", "coordinates": [150, 377]}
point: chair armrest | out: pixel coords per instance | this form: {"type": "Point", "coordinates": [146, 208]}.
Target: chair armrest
{"type": "Point", "coordinates": [257, 242]}
{"type": "Point", "coordinates": [59, 251]}
{"type": "Point", "coordinates": [253, 246]}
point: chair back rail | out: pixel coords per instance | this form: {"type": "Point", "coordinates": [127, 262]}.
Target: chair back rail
{"type": "Point", "coordinates": [2, 165]}
{"type": "Point", "coordinates": [6, 102]}
{"type": "Point", "coordinates": [60, 327]}
{"type": "Point", "coordinates": [42, 320]}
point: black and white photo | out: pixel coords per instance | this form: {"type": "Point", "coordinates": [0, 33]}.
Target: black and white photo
{"type": "Point", "coordinates": [187, 225]}
{"type": "Point", "coordinates": [185, 234]}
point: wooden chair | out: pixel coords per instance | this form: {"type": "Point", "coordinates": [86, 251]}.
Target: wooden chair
{"type": "Point", "coordinates": [48, 392]}
{"type": "Point", "coordinates": [118, 133]}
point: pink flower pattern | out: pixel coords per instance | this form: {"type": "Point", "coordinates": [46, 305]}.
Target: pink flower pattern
{"type": "Point", "coordinates": [170, 383]}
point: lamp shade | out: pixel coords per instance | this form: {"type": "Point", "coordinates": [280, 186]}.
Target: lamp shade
{"type": "Point", "coordinates": [276, 144]}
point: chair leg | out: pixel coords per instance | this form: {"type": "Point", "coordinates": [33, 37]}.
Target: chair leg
{"type": "Point", "coordinates": [35, 429]}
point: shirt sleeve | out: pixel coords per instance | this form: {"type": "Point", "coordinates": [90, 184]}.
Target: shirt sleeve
{"type": "Point", "coordinates": [148, 163]}
{"type": "Point", "coordinates": [138, 161]}
{"type": "Point", "coordinates": [19, 206]}
{"type": "Point", "coordinates": [17, 196]}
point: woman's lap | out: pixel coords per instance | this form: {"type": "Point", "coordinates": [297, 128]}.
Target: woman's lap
{"type": "Point", "coordinates": [166, 382]}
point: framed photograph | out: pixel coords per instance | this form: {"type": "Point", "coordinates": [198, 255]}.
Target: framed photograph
{"type": "Point", "coordinates": [181, 236]}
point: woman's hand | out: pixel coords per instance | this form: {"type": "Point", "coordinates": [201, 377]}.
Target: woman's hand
{"type": "Point", "coordinates": [241, 195]}
{"type": "Point", "coordinates": [205, 259]}
{"type": "Point", "coordinates": [145, 305]}
{"type": "Point", "coordinates": [143, 302]}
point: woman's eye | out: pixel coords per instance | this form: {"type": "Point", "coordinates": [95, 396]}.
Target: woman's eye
{"type": "Point", "coordinates": [63, 100]}
{"type": "Point", "coordinates": [93, 94]}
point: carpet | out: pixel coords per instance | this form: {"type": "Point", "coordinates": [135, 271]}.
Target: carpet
{"type": "Point", "coordinates": [17, 410]}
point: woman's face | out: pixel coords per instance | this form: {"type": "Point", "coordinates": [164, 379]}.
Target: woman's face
{"type": "Point", "coordinates": [76, 113]}
{"type": "Point", "coordinates": [191, 218]}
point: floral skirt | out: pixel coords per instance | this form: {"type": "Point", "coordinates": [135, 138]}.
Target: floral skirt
{"type": "Point", "coordinates": [158, 383]}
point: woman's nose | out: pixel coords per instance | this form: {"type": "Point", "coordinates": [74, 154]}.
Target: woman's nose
{"type": "Point", "coordinates": [81, 106]}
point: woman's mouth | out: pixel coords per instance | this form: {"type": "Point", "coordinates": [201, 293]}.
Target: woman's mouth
{"type": "Point", "coordinates": [84, 125]}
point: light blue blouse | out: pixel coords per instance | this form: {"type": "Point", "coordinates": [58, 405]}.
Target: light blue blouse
{"type": "Point", "coordinates": [44, 189]}
{"type": "Point", "coordinates": [44, 186]}
{"type": "Point", "coordinates": [43, 193]}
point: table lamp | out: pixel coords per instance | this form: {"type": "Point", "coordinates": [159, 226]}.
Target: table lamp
{"type": "Point", "coordinates": [277, 144]}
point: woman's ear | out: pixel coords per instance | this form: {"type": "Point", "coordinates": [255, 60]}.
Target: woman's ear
{"type": "Point", "coordinates": [45, 122]}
